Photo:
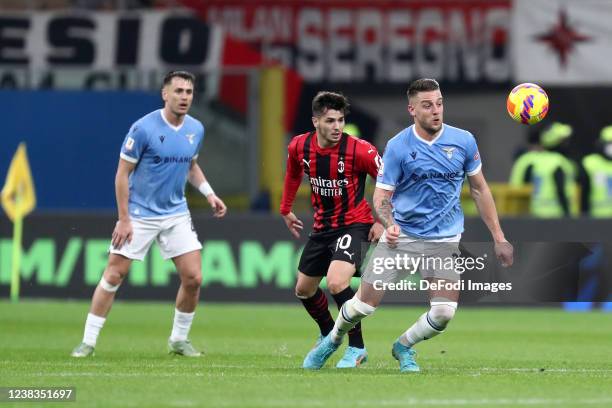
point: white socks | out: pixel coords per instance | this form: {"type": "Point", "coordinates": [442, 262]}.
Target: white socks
{"type": "Point", "coordinates": [430, 324]}
{"type": "Point", "coordinates": [351, 313]}
{"type": "Point", "coordinates": [93, 325]}
{"type": "Point", "coordinates": [181, 326]}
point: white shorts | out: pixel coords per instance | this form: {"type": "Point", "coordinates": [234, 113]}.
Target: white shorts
{"type": "Point", "coordinates": [175, 236]}
{"type": "Point", "coordinates": [431, 258]}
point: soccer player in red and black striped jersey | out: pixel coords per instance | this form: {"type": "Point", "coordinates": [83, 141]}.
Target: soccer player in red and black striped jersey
{"type": "Point", "coordinates": [336, 165]}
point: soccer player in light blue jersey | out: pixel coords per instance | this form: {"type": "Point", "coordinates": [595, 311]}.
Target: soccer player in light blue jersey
{"type": "Point", "coordinates": [417, 199]}
{"type": "Point", "coordinates": [158, 157]}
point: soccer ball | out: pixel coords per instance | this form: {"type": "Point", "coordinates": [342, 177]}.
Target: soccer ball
{"type": "Point", "coordinates": [527, 104]}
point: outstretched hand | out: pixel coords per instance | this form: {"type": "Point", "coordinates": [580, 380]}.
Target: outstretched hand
{"type": "Point", "coordinates": [294, 224]}
{"type": "Point", "coordinates": [218, 206]}
{"type": "Point", "coordinates": [375, 232]}
{"type": "Point", "coordinates": [504, 251]}
{"type": "Point", "coordinates": [122, 233]}
{"type": "Point", "coordinates": [392, 234]}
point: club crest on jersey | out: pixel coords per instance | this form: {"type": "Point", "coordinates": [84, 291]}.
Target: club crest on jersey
{"type": "Point", "coordinates": [340, 166]}
{"type": "Point", "coordinates": [129, 144]}
{"type": "Point", "coordinates": [190, 137]}
{"type": "Point", "coordinates": [449, 152]}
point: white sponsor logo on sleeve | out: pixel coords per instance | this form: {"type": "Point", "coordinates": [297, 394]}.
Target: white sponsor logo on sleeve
{"type": "Point", "coordinates": [129, 144]}
{"type": "Point", "coordinates": [381, 167]}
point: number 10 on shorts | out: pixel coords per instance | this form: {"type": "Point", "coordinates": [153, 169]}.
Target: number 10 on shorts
{"type": "Point", "coordinates": [344, 242]}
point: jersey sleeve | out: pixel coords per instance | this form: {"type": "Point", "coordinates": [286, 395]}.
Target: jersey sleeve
{"type": "Point", "coordinates": [201, 134]}
{"type": "Point", "coordinates": [293, 178]}
{"type": "Point", "coordinates": [472, 163]}
{"type": "Point", "coordinates": [134, 144]}
{"type": "Point", "coordinates": [390, 170]}
{"type": "Point", "coordinates": [368, 158]}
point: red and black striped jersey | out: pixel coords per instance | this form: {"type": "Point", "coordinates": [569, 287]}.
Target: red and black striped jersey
{"type": "Point", "coordinates": [337, 177]}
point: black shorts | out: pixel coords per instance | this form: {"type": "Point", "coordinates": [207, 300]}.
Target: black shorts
{"type": "Point", "coordinates": [347, 244]}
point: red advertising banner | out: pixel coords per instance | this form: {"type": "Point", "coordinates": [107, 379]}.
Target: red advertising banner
{"type": "Point", "coordinates": [380, 42]}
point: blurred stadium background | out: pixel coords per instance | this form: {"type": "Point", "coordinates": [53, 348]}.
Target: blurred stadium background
{"type": "Point", "coordinates": [74, 75]}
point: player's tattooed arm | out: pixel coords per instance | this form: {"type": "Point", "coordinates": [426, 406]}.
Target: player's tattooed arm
{"type": "Point", "coordinates": [382, 206]}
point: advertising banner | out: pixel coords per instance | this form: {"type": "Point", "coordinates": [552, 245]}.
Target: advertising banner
{"type": "Point", "coordinates": [107, 50]}
{"type": "Point", "coordinates": [253, 259]}
{"type": "Point", "coordinates": [360, 41]}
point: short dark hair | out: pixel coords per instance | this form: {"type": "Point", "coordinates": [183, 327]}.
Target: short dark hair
{"type": "Point", "coordinates": [186, 75]}
{"type": "Point", "coordinates": [329, 100]}
{"type": "Point", "coordinates": [422, 85]}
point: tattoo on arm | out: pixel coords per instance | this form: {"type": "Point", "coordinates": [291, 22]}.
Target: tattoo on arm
{"type": "Point", "coordinates": [383, 210]}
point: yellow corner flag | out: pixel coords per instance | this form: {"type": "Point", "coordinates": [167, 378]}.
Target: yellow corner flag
{"type": "Point", "coordinates": [18, 200]}
{"type": "Point", "coordinates": [18, 196]}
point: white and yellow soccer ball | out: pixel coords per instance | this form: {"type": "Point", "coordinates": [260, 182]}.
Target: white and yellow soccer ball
{"type": "Point", "coordinates": [527, 104]}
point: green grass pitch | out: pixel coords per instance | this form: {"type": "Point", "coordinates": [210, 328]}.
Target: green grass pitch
{"type": "Point", "coordinates": [253, 354]}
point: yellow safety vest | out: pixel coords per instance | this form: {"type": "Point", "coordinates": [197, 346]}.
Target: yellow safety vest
{"type": "Point", "coordinates": [544, 200]}
{"type": "Point", "coordinates": [599, 170]}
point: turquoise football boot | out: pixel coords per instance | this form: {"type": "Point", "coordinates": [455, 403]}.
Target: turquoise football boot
{"type": "Point", "coordinates": [353, 357]}
{"type": "Point", "coordinates": [405, 356]}
{"type": "Point", "coordinates": [317, 357]}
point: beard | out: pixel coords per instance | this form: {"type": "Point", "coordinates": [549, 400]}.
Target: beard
{"type": "Point", "coordinates": [431, 129]}
{"type": "Point", "coordinates": [328, 137]}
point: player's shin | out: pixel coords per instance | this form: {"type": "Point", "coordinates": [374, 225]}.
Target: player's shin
{"type": "Point", "coordinates": [93, 325]}
{"type": "Point", "coordinates": [317, 308]}
{"type": "Point", "coordinates": [354, 334]}
{"type": "Point", "coordinates": [351, 313]}
{"type": "Point", "coordinates": [103, 298]}
{"type": "Point", "coordinates": [429, 324]}
{"type": "Point", "coordinates": [181, 325]}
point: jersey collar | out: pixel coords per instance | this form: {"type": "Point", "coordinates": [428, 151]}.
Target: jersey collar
{"type": "Point", "coordinates": [430, 143]}
{"type": "Point", "coordinates": [175, 128]}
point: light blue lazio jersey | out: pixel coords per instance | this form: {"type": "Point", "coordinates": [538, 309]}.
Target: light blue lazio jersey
{"type": "Point", "coordinates": [426, 180]}
{"type": "Point", "coordinates": [162, 154]}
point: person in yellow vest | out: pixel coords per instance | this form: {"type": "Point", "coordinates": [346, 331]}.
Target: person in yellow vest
{"type": "Point", "coordinates": [596, 178]}
{"type": "Point", "coordinates": [552, 174]}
